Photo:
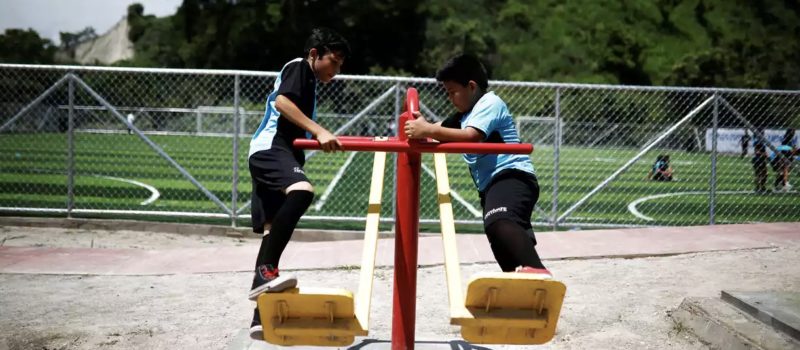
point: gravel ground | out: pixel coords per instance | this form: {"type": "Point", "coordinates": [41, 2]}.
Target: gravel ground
{"type": "Point", "coordinates": [610, 303]}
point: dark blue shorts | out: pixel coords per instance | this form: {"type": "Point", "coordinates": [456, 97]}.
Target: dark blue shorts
{"type": "Point", "coordinates": [512, 195]}
{"type": "Point", "coordinates": [272, 171]}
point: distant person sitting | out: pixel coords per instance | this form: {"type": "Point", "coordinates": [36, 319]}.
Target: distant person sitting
{"type": "Point", "coordinates": [661, 170]}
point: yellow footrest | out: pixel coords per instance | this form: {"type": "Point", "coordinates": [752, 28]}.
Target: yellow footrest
{"type": "Point", "coordinates": [511, 308]}
{"type": "Point", "coordinates": [309, 316]}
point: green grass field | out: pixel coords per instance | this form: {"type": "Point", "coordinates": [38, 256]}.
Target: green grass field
{"type": "Point", "coordinates": [33, 175]}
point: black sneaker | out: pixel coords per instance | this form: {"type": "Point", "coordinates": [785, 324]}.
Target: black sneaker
{"type": "Point", "coordinates": [256, 331]}
{"type": "Point", "coordinates": [267, 280]}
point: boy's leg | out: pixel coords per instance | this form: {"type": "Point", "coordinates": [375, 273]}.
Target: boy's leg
{"type": "Point", "coordinates": [508, 204]}
{"type": "Point", "coordinates": [277, 171]}
{"type": "Point", "coordinates": [264, 203]}
{"type": "Point", "coordinates": [298, 199]}
{"type": "Point", "coordinates": [274, 243]}
{"type": "Point", "coordinates": [512, 246]}
{"type": "Point", "coordinates": [757, 178]}
{"type": "Point", "coordinates": [282, 193]}
{"type": "Point", "coordinates": [762, 178]}
{"type": "Point", "coordinates": [264, 208]}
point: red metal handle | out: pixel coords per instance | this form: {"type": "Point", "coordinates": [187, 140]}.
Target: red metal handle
{"type": "Point", "coordinates": [411, 105]}
{"type": "Point", "coordinates": [401, 143]}
{"type": "Point", "coordinates": [394, 144]}
{"type": "Point", "coordinates": [412, 101]}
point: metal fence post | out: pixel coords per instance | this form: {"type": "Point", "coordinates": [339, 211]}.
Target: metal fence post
{"type": "Point", "coordinates": [397, 102]}
{"type": "Point", "coordinates": [71, 150]}
{"type": "Point", "coordinates": [712, 200]}
{"type": "Point", "coordinates": [198, 121]}
{"type": "Point", "coordinates": [556, 155]}
{"type": "Point", "coordinates": [235, 180]}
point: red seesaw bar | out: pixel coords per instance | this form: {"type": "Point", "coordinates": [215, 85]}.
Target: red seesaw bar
{"type": "Point", "coordinates": [393, 144]}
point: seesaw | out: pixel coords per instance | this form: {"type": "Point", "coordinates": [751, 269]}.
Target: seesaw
{"type": "Point", "coordinates": [493, 312]}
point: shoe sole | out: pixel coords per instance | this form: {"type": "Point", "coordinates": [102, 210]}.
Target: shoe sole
{"type": "Point", "coordinates": [277, 285]}
{"type": "Point", "coordinates": [257, 333]}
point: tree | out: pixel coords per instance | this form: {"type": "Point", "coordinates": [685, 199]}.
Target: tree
{"type": "Point", "coordinates": [136, 21]}
{"type": "Point", "coordinates": [25, 46]}
{"type": "Point", "coordinates": [640, 42]}
{"type": "Point", "coordinates": [70, 40]}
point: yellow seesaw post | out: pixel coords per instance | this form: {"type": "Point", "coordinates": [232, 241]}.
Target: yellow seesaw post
{"type": "Point", "coordinates": [500, 308]}
{"type": "Point", "coordinates": [328, 316]}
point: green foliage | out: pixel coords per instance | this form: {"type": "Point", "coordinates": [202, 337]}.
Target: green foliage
{"type": "Point", "coordinates": [681, 42]}
{"type": "Point", "coordinates": [136, 22]}
{"type": "Point", "coordinates": [25, 46]}
{"type": "Point", "coordinates": [261, 35]}
{"type": "Point", "coordinates": [638, 42]}
{"type": "Point", "coordinates": [70, 40]}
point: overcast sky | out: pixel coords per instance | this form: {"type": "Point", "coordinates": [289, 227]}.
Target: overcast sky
{"type": "Point", "coordinates": [48, 17]}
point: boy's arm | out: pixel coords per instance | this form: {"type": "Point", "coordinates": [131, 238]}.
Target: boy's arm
{"type": "Point", "coordinates": [290, 111]}
{"type": "Point", "coordinates": [420, 128]}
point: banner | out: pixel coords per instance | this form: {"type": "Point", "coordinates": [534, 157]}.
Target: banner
{"type": "Point", "coordinates": [730, 140]}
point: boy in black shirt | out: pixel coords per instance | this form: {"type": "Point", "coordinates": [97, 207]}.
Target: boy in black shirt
{"type": "Point", "coordinates": [281, 190]}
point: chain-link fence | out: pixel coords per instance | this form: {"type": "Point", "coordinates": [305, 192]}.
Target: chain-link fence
{"type": "Point", "coordinates": [96, 141]}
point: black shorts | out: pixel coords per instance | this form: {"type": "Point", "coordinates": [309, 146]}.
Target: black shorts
{"type": "Point", "coordinates": [512, 195]}
{"type": "Point", "coordinates": [272, 171]}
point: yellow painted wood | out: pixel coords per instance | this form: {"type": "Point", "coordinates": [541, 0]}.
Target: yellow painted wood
{"type": "Point", "coordinates": [451, 261]}
{"type": "Point", "coordinates": [370, 240]}
{"type": "Point", "coordinates": [309, 316]}
{"type": "Point", "coordinates": [511, 308]}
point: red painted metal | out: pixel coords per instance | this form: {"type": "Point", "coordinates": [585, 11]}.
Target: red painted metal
{"type": "Point", "coordinates": [393, 144]}
{"type": "Point", "coordinates": [405, 247]}
{"type": "Point", "coordinates": [404, 305]}
{"type": "Point", "coordinates": [407, 214]}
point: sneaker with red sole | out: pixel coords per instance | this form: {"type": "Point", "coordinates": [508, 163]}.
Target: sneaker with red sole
{"type": "Point", "coordinates": [268, 280]}
{"type": "Point", "coordinates": [538, 272]}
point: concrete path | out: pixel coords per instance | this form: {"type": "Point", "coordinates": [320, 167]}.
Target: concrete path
{"type": "Point", "coordinates": [330, 254]}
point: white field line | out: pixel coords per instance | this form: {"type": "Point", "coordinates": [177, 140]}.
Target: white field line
{"type": "Point", "coordinates": [617, 160]}
{"type": "Point", "coordinates": [334, 182]}
{"type": "Point", "coordinates": [154, 194]}
{"type": "Point", "coordinates": [638, 214]}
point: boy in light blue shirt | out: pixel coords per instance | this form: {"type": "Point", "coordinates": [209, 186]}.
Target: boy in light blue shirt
{"type": "Point", "coordinates": [506, 183]}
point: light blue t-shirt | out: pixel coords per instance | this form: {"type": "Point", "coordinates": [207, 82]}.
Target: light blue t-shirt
{"type": "Point", "coordinates": [490, 115]}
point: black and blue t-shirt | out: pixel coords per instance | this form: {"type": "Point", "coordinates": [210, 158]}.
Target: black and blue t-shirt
{"type": "Point", "coordinates": [297, 83]}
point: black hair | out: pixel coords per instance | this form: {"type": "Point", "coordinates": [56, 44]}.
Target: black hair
{"type": "Point", "coordinates": [324, 40]}
{"type": "Point", "coordinates": [463, 68]}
